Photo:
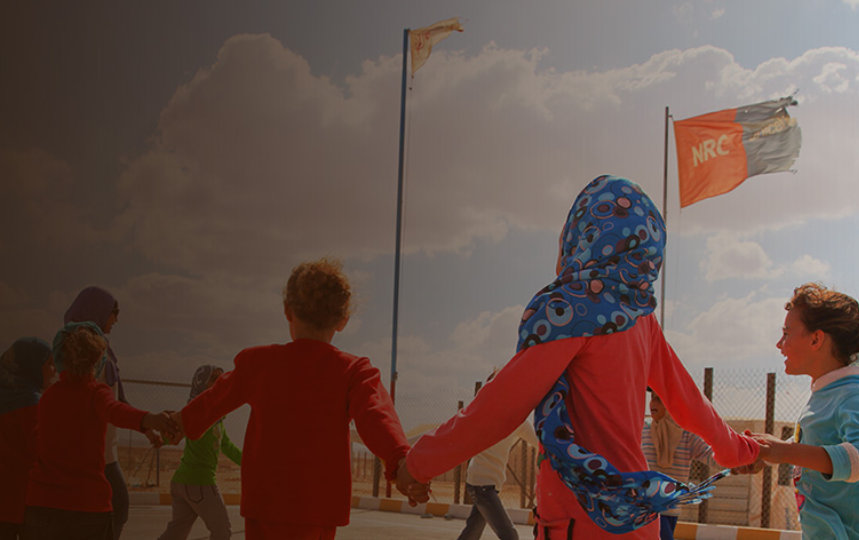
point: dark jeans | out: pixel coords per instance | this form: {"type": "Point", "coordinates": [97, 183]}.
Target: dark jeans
{"type": "Point", "coordinates": [54, 524]}
{"type": "Point", "coordinates": [487, 509]}
{"type": "Point", "coordinates": [119, 502]}
{"type": "Point", "coordinates": [10, 531]}
{"type": "Point", "coordinates": [666, 527]}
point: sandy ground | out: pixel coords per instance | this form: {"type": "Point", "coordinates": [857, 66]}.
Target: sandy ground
{"type": "Point", "coordinates": [147, 522]}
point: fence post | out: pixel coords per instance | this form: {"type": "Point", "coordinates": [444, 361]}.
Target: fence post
{"type": "Point", "coordinates": [533, 481]}
{"type": "Point", "coordinates": [704, 507]}
{"type": "Point", "coordinates": [377, 474]}
{"type": "Point", "coordinates": [158, 467]}
{"type": "Point", "coordinates": [766, 481]}
{"type": "Point", "coordinates": [457, 472]}
{"type": "Point", "coordinates": [523, 459]}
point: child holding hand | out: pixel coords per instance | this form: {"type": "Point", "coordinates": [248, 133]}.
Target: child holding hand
{"type": "Point", "coordinates": [296, 480]}
{"type": "Point", "coordinates": [68, 495]}
{"type": "Point", "coordinates": [819, 338]}
{"type": "Point", "coordinates": [193, 489]}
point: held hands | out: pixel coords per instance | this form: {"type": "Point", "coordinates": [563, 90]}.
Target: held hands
{"type": "Point", "coordinates": [167, 428]}
{"type": "Point", "coordinates": [771, 446]}
{"type": "Point", "coordinates": [411, 488]}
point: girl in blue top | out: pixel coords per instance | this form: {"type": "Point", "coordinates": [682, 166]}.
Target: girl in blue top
{"type": "Point", "coordinates": [820, 338]}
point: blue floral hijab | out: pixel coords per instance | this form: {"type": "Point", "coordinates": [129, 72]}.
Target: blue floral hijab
{"type": "Point", "coordinates": [611, 252]}
{"type": "Point", "coordinates": [21, 373]}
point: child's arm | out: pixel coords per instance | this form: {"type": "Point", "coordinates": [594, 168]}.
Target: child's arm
{"type": "Point", "coordinates": [231, 450]}
{"type": "Point", "coordinates": [223, 397]}
{"type": "Point", "coordinates": [376, 420]}
{"type": "Point", "coordinates": [775, 450]}
{"type": "Point", "coordinates": [692, 410]}
{"type": "Point", "coordinates": [500, 406]}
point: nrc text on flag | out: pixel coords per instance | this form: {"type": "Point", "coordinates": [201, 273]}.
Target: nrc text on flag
{"type": "Point", "coordinates": [717, 151]}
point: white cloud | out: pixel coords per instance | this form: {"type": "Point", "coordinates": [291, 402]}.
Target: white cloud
{"type": "Point", "coordinates": [258, 162]}
{"type": "Point", "coordinates": [731, 257]}
{"type": "Point", "coordinates": [732, 332]}
{"type": "Point", "coordinates": [852, 3]}
{"type": "Point", "coordinates": [808, 268]}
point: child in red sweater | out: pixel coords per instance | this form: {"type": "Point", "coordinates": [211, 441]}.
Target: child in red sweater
{"type": "Point", "coordinates": [296, 479]}
{"type": "Point", "coordinates": [26, 369]}
{"type": "Point", "coordinates": [68, 495]}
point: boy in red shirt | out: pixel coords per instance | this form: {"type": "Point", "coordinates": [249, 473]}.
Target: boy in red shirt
{"type": "Point", "coordinates": [296, 479]}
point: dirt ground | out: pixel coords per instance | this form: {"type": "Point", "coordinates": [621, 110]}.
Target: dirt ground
{"type": "Point", "coordinates": [142, 473]}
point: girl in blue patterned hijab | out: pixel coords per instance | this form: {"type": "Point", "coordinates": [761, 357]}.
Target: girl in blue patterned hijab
{"type": "Point", "coordinates": [611, 252]}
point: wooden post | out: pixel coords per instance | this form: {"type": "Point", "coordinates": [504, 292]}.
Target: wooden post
{"type": "Point", "coordinates": [523, 459]}
{"type": "Point", "coordinates": [532, 483]}
{"type": "Point", "coordinates": [457, 472]}
{"type": "Point", "coordinates": [704, 507]}
{"type": "Point", "coordinates": [766, 480]}
{"type": "Point", "coordinates": [377, 475]}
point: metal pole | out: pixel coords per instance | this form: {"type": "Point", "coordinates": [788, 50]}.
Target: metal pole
{"type": "Point", "coordinates": [397, 250]}
{"type": "Point", "coordinates": [664, 218]}
{"type": "Point", "coordinates": [377, 469]}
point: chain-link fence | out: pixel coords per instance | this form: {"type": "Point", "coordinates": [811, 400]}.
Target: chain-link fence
{"type": "Point", "coordinates": [748, 398]}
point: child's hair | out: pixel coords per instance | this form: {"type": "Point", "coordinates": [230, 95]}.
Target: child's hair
{"type": "Point", "coordinates": [318, 293]}
{"type": "Point", "coordinates": [837, 314]}
{"type": "Point", "coordinates": [82, 349]}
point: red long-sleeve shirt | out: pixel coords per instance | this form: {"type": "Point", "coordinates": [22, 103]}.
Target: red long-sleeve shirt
{"type": "Point", "coordinates": [608, 377]}
{"type": "Point", "coordinates": [17, 455]}
{"type": "Point", "coordinates": [69, 469]}
{"type": "Point", "coordinates": [295, 460]}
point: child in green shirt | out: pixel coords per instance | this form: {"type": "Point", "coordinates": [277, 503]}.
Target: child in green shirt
{"type": "Point", "coordinates": [193, 487]}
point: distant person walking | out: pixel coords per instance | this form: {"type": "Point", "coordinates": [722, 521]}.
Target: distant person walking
{"type": "Point", "coordinates": [26, 369]}
{"type": "Point", "coordinates": [193, 489]}
{"type": "Point", "coordinates": [670, 449]}
{"type": "Point", "coordinates": [296, 479]}
{"type": "Point", "coordinates": [487, 472]}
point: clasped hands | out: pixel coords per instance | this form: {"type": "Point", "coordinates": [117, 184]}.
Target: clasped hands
{"type": "Point", "coordinates": [770, 448]}
{"type": "Point", "coordinates": [163, 427]}
{"type": "Point", "coordinates": [415, 491]}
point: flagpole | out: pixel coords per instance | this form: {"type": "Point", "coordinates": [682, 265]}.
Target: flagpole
{"type": "Point", "coordinates": [665, 219]}
{"type": "Point", "coordinates": [397, 249]}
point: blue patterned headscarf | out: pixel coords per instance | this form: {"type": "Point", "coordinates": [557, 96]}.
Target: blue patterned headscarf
{"type": "Point", "coordinates": [611, 251]}
{"type": "Point", "coordinates": [21, 373]}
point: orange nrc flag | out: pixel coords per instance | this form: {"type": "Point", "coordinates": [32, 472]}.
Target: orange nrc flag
{"type": "Point", "coordinates": [717, 151]}
{"type": "Point", "coordinates": [421, 40]}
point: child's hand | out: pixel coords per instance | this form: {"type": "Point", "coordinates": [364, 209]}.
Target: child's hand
{"type": "Point", "coordinates": [770, 446]}
{"type": "Point", "coordinates": [411, 488]}
{"type": "Point", "coordinates": [163, 422]}
{"type": "Point", "coordinates": [176, 417]}
{"type": "Point", "coordinates": [154, 438]}
{"type": "Point", "coordinates": [751, 468]}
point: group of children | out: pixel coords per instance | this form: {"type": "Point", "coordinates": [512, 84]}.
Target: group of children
{"type": "Point", "coordinates": [589, 348]}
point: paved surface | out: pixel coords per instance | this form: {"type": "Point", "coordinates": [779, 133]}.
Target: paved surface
{"type": "Point", "coordinates": [148, 522]}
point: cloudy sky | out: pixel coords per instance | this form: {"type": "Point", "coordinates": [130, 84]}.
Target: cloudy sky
{"type": "Point", "coordinates": [186, 155]}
